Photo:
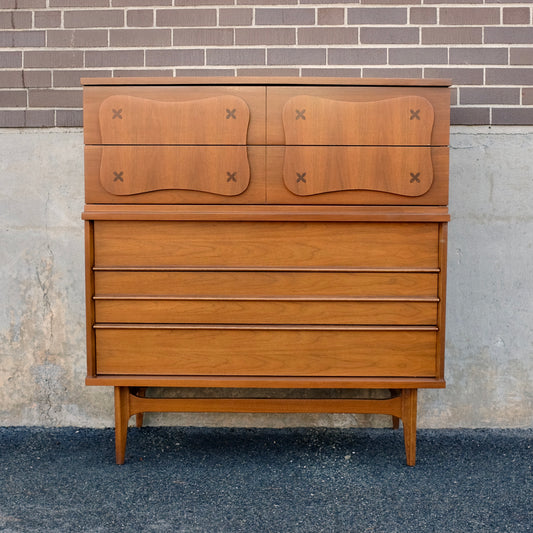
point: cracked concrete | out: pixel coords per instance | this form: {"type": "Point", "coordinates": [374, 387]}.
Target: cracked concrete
{"type": "Point", "coordinates": [489, 365]}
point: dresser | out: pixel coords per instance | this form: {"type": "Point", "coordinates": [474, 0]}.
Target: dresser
{"type": "Point", "coordinates": [266, 233]}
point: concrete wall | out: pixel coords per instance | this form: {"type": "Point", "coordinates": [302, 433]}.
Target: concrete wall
{"type": "Point", "coordinates": [489, 366]}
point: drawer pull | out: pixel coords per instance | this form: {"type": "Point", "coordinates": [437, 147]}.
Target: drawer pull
{"type": "Point", "coordinates": [414, 114]}
{"type": "Point", "coordinates": [300, 114]}
{"type": "Point", "coordinates": [117, 113]}
{"type": "Point", "coordinates": [415, 177]}
{"type": "Point", "coordinates": [231, 113]}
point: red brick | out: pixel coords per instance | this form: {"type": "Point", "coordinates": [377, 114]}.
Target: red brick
{"type": "Point", "coordinates": [418, 56]}
{"type": "Point", "coordinates": [478, 56]}
{"type": "Point", "coordinates": [24, 4]}
{"type": "Point", "coordinates": [527, 96]}
{"type": "Point", "coordinates": [159, 58]}
{"type": "Point", "coordinates": [139, 73]}
{"type": "Point", "coordinates": [80, 3]}
{"type": "Point", "coordinates": [235, 17]}
{"type": "Point", "coordinates": [389, 35]}
{"type": "Point", "coordinates": [140, 37]}
{"type": "Point", "coordinates": [37, 78]}
{"type": "Point", "coordinates": [469, 116]}
{"type": "Point", "coordinates": [509, 76]}
{"type": "Point", "coordinates": [77, 38]}
{"type": "Point", "coordinates": [452, 35]}
{"type": "Point", "coordinates": [521, 56]}
{"type": "Point", "coordinates": [71, 78]}
{"type": "Point", "coordinates": [268, 71]}
{"type": "Point", "coordinates": [202, 2]}
{"type": "Point", "coordinates": [357, 56]}
{"type": "Point", "coordinates": [15, 20]}
{"type": "Point", "coordinates": [460, 76]}
{"type": "Point", "coordinates": [454, 2]}
{"type": "Point", "coordinates": [47, 19]}
{"type": "Point", "coordinates": [327, 35]}
{"type": "Point", "coordinates": [423, 15]}
{"type": "Point", "coordinates": [265, 2]}
{"type": "Point", "coordinates": [284, 17]}
{"type": "Point", "coordinates": [69, 118]}
{"type": "Point", "coordinates": [13, 98]}
{"type": "Point", "coordinates": [469, 16]}
{"type": "Point", "coordinates": [100, 18]}
{"type": "Point", "coordinates": [187, 72]}
{"type": "Point", "coordinates": [142, 3]}
{"type": "Point", "coordinates": [10, 59]}
{"type": "Point", "coordinates": [296, 56]}
{"type": "Point", "coordinates": [55, 98]}
{"type": "Point", "coordinates": [335, 72]}
{"type": "Point", "coordinates": [516, 15]}
{"type": "Point", "coordinates": [377, 15]}
{"type": "Point", "coordinates": [330, 16]}
{"type": "Point", "coordinates": [392, 2]}
{"type": "Point", "coordinates": [140, 17]}
{"type": "Point", "coordinates": [21, 38]}
{"type": "Point", "coordinates": [509, 35]}
{"type": "Point", "coordinates": [512, 116]}
{"type": "Point", "coordinates": [489, 95]}
{"type": "Point", "coordinates": [114, 58]}
{"type": "Point", "coordinates": [203, 37]}
{"type": "Point", "coordinates": [235, 56]}
{"type": "Point", "coordinates": [186, 17]}
{"type": "Point", "coordinates": [40, 59]}
{"type": "Point", "coordinates": [258, 36]}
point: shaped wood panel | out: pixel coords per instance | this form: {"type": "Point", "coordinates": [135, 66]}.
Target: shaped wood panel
{"type": "Point", "coordinates": [129, 170]}
{"type": "Point", "coordinates": [128, 119]}
{"type": "Point", "coordinates": [406, 171]}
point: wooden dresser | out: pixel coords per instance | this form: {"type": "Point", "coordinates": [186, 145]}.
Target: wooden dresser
{"type": "Point", "coordinates": [266, 233]}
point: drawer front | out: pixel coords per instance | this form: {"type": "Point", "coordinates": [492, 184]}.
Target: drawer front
{"type": "Point", "coordinates": [267, 285]}
{"type": "Point", "coordinates": [267, 352]}
{"type": "Point", "coordinates": [263, 246]}
{"type": "Point", "coordinates": [246, 311]}
{"type": "Point", "coordinates": [174, 115]}
{"type": "Point", "coordinates": [175, 174]}
{"type": "Point", "coordinates": [358, 116]}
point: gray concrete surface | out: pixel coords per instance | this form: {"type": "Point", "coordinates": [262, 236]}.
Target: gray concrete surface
{"type": "Point", "coordinates": [489, 366]}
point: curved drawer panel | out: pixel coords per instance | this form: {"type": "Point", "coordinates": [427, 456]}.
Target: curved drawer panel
{"type": "Point", "coordinates": [311, 120]}
{"type": "Point", "coordinates": [130, 120]}
{"type": "Point", "coordinates": [127, 170]}
{"type": "Point", "coordinates": [406, 171]}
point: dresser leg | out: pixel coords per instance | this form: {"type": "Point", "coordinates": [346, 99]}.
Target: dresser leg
{"type": "Point", "coordinates": [409, 397]}
{"type": "Point", "coordinates": [139, 417]}
{"type": "Point", "coordinates": [395, 422]}
{"type": "Point", "coordinates": [122, 415]}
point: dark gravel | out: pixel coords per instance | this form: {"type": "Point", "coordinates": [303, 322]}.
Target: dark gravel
{"type": "Point", "coordinates": [265, 480]}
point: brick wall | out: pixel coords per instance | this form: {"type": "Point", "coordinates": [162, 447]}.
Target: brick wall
{"type": "Point", "coordinates": [485, 46]}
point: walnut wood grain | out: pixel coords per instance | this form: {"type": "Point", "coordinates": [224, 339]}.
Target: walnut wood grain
{"type": "Point", "coordinates": [400, 121]}
{"type": "Point", "coordinates": [311, 170]}
{"type": "Point", "coordinates": [132, 170]}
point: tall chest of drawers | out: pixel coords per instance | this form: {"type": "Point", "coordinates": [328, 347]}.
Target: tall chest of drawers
{"type": "Point", "coordinates": [280, 233]}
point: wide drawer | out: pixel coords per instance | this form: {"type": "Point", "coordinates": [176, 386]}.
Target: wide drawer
{"type": "Point", "coordinates": [256, 351]}
{"type": "Point", "coordinates": [265, 245]}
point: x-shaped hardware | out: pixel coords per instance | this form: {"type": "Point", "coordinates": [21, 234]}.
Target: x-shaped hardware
{"type": "Point", "coordinates": [119, 176]}
{"type": "Point", "coordinates": [414, 177]}
{"type": "Point", "coordinates": [300, 114]}
{"type": "Point", "coordinates": [117, 113]}
{"type": "Point", "coordinates": [414, 114]}
{"type": "Point", "coordinates": [231, 113]}
{"type": "Point", "coordinates": [231, 176]}
{"type": "Point", "coordinates": [301, 177]}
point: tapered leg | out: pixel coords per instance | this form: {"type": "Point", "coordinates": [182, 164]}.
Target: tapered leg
{"type": "Point", "coordinates": [141, 392]}
{"type": "Point", "coordinates": [122, 416]}
{"type": "Point", "coordinates": [395, 422]}
{"type": "Point", "coordinates": [409, 397]}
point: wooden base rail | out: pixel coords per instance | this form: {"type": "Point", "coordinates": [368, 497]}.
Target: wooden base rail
{"type": "Point", "coordinates": [132, 401]}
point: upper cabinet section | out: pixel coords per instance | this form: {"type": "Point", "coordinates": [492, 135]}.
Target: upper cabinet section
{"type": "Point", "coordinates": [200, 115]}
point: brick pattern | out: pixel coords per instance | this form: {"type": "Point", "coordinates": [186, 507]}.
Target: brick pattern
{"type": "Point", "coordinates": [485, 46]}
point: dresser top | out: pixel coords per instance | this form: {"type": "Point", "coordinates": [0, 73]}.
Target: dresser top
{"type": "Point", "coordinates": [271, 80]}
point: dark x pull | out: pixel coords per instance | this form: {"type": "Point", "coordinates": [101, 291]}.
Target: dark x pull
{"type": "Point", "coordinates": [414, 114]}
{"type": "Point", "coordinates": [301, 177]}
{"type": "Point", "coordinates": [117, 113]}
{"type": "Point", "coordinates": [118, 176]}
{"type": "Point", "coordinates": [231, 176]}
{"type": "Point", "coordinates": [300, 114]}
{"type": "Point", "coordinates": [231, 113]}
{"type": "Point", "coordinates": [414, 177]}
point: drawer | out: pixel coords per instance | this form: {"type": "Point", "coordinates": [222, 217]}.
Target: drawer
{"type": "Point", "coordinates": [261, 311]}
{"type": "Point", "coordinates": [267, 285]}
{"type": "Point", "coordinates": [157, 115]}
{"type": "Point", "coordinates": [358, 116]}
{"type": "Point", "coordinates": [175, 174]}
{"type": "Point", "coordinates": [252, 351]}
{"type": "Point", "coordinates": [265, 245]}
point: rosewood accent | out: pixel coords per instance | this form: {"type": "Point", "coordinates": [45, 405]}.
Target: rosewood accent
{"type": "Point", "coordinates": [266, 233]}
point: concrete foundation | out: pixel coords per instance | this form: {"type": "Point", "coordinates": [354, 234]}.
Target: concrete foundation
{"type": "Point", "coordinates": [489, 360]}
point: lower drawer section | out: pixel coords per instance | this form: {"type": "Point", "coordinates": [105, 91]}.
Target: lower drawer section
{"type": "Point", "coordinates": [266, 351]}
